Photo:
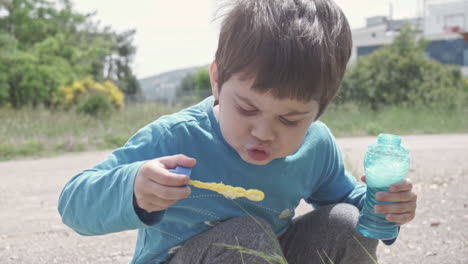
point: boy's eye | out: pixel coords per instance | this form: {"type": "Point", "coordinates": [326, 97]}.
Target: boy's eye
{"type": "Point", "coordinates": [289, 122]}
{"type": "Point", "coordinates": [246, 112]}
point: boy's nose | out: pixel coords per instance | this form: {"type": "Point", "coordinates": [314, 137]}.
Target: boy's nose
{"type": "Point", "coordinates": [263, 131]}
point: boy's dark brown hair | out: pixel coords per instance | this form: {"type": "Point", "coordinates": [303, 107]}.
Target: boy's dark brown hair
{"type": "Point", "coordinates": [295, 49]}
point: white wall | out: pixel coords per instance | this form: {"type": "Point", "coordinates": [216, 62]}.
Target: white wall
{"type": "Point", "coordinates": [370, 36]}
{"type": "Point", "coordinates": [440, 15]}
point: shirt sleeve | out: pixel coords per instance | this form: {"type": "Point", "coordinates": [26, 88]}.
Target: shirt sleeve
{"type": "Point", "coordinates": [100, 200]}
{"type": "Point", "coordinates": [336, 185]}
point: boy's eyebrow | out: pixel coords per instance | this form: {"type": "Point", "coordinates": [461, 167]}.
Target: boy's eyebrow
{"type": "Point", "coordinates": [292, 113]}
{"type": "Point", "coordinates": [245, 100]}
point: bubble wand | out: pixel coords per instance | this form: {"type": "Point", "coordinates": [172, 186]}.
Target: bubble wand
{"type": "Point", "coordinates": [228, 191]}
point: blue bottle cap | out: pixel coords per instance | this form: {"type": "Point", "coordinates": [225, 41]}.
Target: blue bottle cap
{"type": "Point", "coordinates": [182, 170]}
{"type": "Point", "coordinates": [389, 139]}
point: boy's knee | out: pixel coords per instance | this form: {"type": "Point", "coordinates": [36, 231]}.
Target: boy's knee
{"type": "Point", "coordinates": [344, 216]}
{"type": "Point", "coordinates": [252, 232]}
{"type": "Point", "coordinates": [249, 225]}
{"type": "Point", "coordinates": [243, 231]}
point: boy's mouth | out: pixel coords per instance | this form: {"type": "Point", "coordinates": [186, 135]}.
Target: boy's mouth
{"type": "Point", "coordinates": [258, 154]}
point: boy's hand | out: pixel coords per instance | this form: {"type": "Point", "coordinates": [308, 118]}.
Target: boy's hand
{"type": "Point", "coordinates": [405, 209]}
{"type": "Point", "coordinates": [156, 188]}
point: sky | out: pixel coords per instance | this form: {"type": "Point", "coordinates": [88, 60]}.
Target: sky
{"type": "Point", "coordinates": [174, 34]}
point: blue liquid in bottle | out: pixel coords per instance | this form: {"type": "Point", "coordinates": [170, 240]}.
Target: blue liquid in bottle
{"type": "Point", "coordinates": [386, 162]}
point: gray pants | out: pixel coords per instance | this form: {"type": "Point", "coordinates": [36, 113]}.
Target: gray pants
{"type": "Point", "coordinates": [319, 236]}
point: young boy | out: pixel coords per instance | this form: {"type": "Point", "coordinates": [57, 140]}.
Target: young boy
{"type": "Point", "coordinates": [278, 65]}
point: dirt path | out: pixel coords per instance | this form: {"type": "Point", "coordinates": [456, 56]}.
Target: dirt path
{"type": "Point", "coordinates": [31, 230]}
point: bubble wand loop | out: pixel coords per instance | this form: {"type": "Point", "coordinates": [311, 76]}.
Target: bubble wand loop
{"type": "Point", "coordinates": [228, 191]}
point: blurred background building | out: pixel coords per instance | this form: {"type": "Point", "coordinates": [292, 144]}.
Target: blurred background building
{"type": "Point", "coordinates": [444, 23]}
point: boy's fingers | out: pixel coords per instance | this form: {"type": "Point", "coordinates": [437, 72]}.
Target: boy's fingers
{"type": "Point", "coordinates": [170, 193]}
{"type": "Point", "coordinates": [402, 186]}
{"type": "Point", "coordinates": [168, 178]}
{"type": "Point", "coordinates": [400, 218]}
{"type": "Point", "coordinates": [155, 197]}
{"type": "Point", "coordinates": [153, 206]}
{"type": "Point", "coordinates": [155, 191]}
{"type": "Point", "coordinates": [406, 196]}
{"type": "Point", "coordinates": [162, 176]}
{"type": "Point", "coordinates": [396, 208]}
{"type": "Point", "coordinates": [170, 162]}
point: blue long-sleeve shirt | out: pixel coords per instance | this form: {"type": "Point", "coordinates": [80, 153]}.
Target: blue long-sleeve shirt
{"type": "Point", "coordinates": [100, 200]}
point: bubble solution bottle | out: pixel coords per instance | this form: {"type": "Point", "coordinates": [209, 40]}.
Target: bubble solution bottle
{"type": "Point", "coordinates": [386, 162]}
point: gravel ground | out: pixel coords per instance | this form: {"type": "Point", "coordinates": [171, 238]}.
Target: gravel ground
{"type": "Point", "coordinates": [31, 230]}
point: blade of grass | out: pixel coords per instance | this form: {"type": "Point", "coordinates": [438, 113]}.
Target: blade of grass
{"type": "Point", "coordinates": [320, 256]}
{"type": "Point", "coordinates": [240, 252]}
{"type": "Point", "coordinates": [329, 259]}
{"type": "Point", "coordinates": [367, 252]}
{"type": "Point", "coordinates": [275, 258]}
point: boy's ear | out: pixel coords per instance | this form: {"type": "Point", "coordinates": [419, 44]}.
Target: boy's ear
{"type": "Point", "coordinates": [214, 80]}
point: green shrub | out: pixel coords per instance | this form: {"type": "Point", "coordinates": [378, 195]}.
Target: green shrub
{"type": "Point", "coordinates": [115, 140]}
{"type": "Point", "coordinates": [95, 104]}
{"type": "Point", "coordinates": [401, 74]}
{"type": "Point", "coordinates": [202, 80]}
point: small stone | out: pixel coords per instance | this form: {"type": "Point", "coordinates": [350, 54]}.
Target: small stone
{"type": "Point", "coordinates": [211, 223]}
{"type": "Point", "coordinates": [435, 223]}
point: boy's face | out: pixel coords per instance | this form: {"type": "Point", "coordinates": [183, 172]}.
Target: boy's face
{"type": "Point", "coordinates": [258, 126]}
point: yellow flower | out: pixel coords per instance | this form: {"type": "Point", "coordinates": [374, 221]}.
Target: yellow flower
{"type": "Point", "coordinates": [68, 95]}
